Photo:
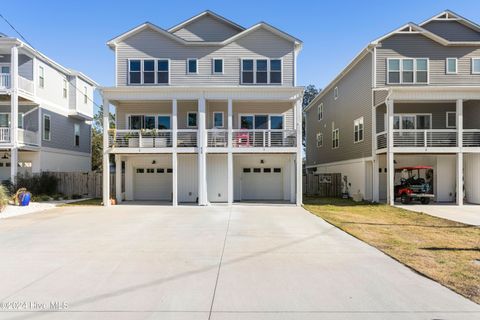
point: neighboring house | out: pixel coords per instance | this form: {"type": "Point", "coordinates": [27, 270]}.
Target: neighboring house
{"type": "Point", "coordinates": [411, 97]}
{"type": "Point", "coordinates": [45, 113]}
{"type": "Point", "coordinates": [206, 111]}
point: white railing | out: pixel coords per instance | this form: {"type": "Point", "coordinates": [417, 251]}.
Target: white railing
{"type": "Point", "coordinates": [471, 137]}
{"type": "Point", "coordinates": [425, 138]}
{"type": "Point", "coordinates": [4, 80]}
{"type": "Point", "coordinates": [25, 84]}
{"type": "Point", "coordinates": [4, 135]}
{"type": "Point", "coordinates": [243, 138]}
{"type": "Point", "coordinates": [187, 138]}
{"type": "Point", "coordinates": [28, 137]}
{"type": "Point", "coordinates": [217, 138]}
{"type": "Point", "coordinates": [140, 138]}
{"type": "Point", "coordinates": [382, 140]}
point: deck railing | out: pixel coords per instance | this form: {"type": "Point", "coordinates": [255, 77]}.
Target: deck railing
{"type": "Point", "coordinates": [471, 137]}
{"type": "Point", "coordinates": [140, 138]}
{"type": "Point", "coordinates": [217, 138]}
{"type": "Point", "coordinates": [27, 137]}
{"type": "Point", "coordinates": [273, 138]}
{"type": "Point", "coordinates": [4, 80]}
{"type": "Point", "coordinates": [187, 138]}
{"type": "Point", "coordinates": [429, 138]}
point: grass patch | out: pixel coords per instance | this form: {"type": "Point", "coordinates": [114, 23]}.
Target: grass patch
{"type": "Point", "coordinates": [442, 250]}
{"type": "Point", "coordinates": [86, 202]}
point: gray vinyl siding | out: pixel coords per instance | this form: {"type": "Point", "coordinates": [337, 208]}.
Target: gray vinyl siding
{"type": "Point", "coordinates": [206, 29]}
{"type": "Point", "coordinates": [62, 133]}
{"type": "Point", "coordinates": [471, 114]}
{"type": "Point", "coordinates": [452, 31]}
{"type": "Point", "coordinates": [149, 44]}
{"type": "Point", "coordinates": [418, 46]}
{"type": "Point", "coordinates": [25, 65]}
{"type": "Point", "coordinates": [354, 101]}
{"type": "Point", "coordinates": [379, 96]}
{"type": "Point", "coordinates": [30, 121]}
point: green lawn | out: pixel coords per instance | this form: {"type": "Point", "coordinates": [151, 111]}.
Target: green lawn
{"type": "Point", "coordinates": [445, 251]}
{"type": "Point", "coordinates": [86, 202]}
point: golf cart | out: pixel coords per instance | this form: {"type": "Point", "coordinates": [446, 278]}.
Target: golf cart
{"type": "Point", "coordinates": [412, 186]}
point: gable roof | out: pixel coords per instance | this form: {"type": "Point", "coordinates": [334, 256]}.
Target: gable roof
{"type": "Point", "coordinates": [449, 15]}
{"type": "Point", "coordinates": [412, 28]}
{"type": "Point", "coordinates": [169, 33]}
{"type": "Point", "coordinates": [203, 14]}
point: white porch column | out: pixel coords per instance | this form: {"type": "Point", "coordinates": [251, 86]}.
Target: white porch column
{"type": "Point", "coordinates": [202, 157]}
{"type": "Point", "coordinates": [118, 178]}
{"type": "Point", "coordinates": [376, 179]}
{"type": "Point", "coordinates": [390, 155]}
{"type": "Point", "coordinates": [293, 177]}
{"type": "Point", "coordinates": [230, 152]}
{"type": "Point", "coordinates": [106, 154]}
{"type": "Point", "coordinates": [299, 162]}
{"type": "Point", "coordinates": [459, 113]}
{"type": "Point", "coordinates": [14, 113]}
{"type": "Point", "coordinates": [174, 154]}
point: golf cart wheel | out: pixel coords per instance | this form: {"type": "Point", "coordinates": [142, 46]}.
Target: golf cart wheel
{"type": "Point", "coordinates": [425, 200]}
{"type": "Point", "coordinates": [405, 199]}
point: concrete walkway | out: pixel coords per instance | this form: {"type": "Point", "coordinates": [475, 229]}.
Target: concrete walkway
{"type": "Point", "coordinates": [239, 262]}
{"type": "Point", "coordinates": [468, 214]}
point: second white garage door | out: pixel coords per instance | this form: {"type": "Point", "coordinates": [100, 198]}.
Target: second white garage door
{"type": "Point", "coordinates": [153, 184]}
{"type": "Point", "coordinates": [262, 184]}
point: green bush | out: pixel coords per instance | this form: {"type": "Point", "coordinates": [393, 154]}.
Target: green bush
{"type": "Point", "coordinates": [4, 197]}
{"type": "Point", "coordinates": [38, 184]}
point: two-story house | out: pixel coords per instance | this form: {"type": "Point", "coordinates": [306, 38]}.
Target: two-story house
{"type": "Point", "coordinates": [206, 111]}
{"type": "Point", "coordinates": [45, 113]}
{"type": "Point", "coordinates": [410, 98]}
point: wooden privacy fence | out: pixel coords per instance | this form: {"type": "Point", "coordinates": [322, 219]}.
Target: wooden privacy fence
{"type": "Point", "coordinates": [87, 184]}
{"type": "Point", "coordinates": [323, 185]}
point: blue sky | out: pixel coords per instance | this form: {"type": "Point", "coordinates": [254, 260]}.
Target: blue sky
{"type": "Point", "coordinates": [74, 33]}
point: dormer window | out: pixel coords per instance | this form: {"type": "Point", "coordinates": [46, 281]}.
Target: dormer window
{"type": "Point", "coordinates": [192, 67]}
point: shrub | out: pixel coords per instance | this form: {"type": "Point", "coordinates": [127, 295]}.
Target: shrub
{"type": "Point", "coordinates": [76, 196]}
{"type": "Point", "coordinates": [43, 183]}
{"type": "Point", "coordinates": [4, 197]}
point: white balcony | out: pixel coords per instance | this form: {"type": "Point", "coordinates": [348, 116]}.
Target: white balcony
{"type": "Point", "coordinates": [23, 83]}
{"type": "Point", "coordinates": [4, 80]}
{"type": "Point", "coordinates": [259, 138]}
{"type": "Point", "coordinates": [25, 137]}
{"type": "Point", "coordinates": [140, 138]}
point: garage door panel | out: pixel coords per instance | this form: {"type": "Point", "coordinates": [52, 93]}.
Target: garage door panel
{"type": "Point", "coordinates": [262, 184]}
{"type": "Point", "coordinates": [153, 184]}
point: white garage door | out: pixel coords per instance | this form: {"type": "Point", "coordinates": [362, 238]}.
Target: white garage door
{"type": "Point", "coordinates": [153, 184]}
{"type": "Point", "coordinates": [262, 184]}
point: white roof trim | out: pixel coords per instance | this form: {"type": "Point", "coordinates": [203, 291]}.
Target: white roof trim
{"type": "Point", "coordinates": [204, 13]}
{"type": "Point", "coordinates": [418, 30]}
{"type": "Point", "coordinates": [455, 17]}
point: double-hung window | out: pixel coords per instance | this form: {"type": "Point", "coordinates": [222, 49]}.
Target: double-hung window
{"type": "Point", "coordinates": [407, 71]}
{"type": "Point", "coordinates": [192, 119]}
{"type": "Point", "coordinates": [476, 65]}
{"type": "Point", "coordinates": [218, 120]}
{"type": "Point", "coordinates": [358, 130]}
{"type": "Point", "coordinates": [247, 71]}
{"type": "Point", "coordinates": [451, 65]}
{"type": "Point", "coordinates": [65, 88]}
{"type": "Point", "coordinates": [451, 120]}
{"type": "Point", "coordinates": [148, 71]}
{"type": "Point", "coordinates": [41, 77]}
{"type": "Point", "coordinates": [163, 71]}
{"type": "Point", "coordinates": [76, 132]}
{"type": "Point", "coordinates": [135, 71]}
{"type": "Point", "coordinates": [85, 94]}
{"type": "Point", "coordinates": [319, 140]}
{"type": "Point", "coordinates": [262, 71]}
{"type": "Point", "coordinates": [275, 71]}
{"type": "Point", "coordinates": [335, 138]}
{"type": "Point", "coordinates": [46, 127]}
{"type": "Point", "coordinates": [320, 112]}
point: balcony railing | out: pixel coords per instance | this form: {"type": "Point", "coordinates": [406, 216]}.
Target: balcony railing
{"type": "Point", "coordinates": [140, 138]}
{"type": "Point", "coordinates": [273, 138]}
{"type": "Point", "coordinates": [26, 137]}
{"type": "Point", "coordinates": [471, 137]}
{"type": "Point", "coordinates": [187, 138]}
{"type": "Point", "coordinates": [4, 80]}
{"type": "Point", "coordinates": [430, 138]}
{"type": "Point", "coordinates": [217, 138]}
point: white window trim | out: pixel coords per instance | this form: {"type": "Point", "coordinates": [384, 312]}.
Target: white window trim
{"type": "Point", "coordinates": [408, 115]}
{"type": "Point", "coordinates": [155, 71]}
{"type": "Point", "coordinates": [85, 95]}
{"type": "Point", "coordinates": [446, 65]}
{"type": "Point", "coordinates": [65, 89]}
{"type": "Point", "coordinates": [156, 115]}
{"type": "Point", "coordinates": [255, 71]}
{"type": "Point", "coordinates": [45, 116]}
{"type": "Point", "coordinates": [240, 115]}
{"type": "Point", "coordinates": [320, 111]}
{"type": "Point", "coordinates": [75, 126]}
{"type": "Point", "coordinates": [335, 93]}
{"type": "Point", "coordinates": [22, 114]}
{"type": "Point", "coordinates": [446, 120]}
{"type": "Point", "coordinates": [333, 138]}
{"type": "Point", "coordinates": [414, 71]}
{"type": "Point", "coordinates": [223, 119]}
{"type": "Point", "coordinates": [213, 66]}
{"type": "Point", "coordinates": [473, 71]}
{"type": "Point", "coordinates": [319, 134]}
{"type": "Point", "coordinates": [41, 75]}
{"type": "Point", "coordinates": [188, 65]}
{"type": "Point", "coordinates": [188, 114]}
{"type": "Point", "coordinates": [356, 123]}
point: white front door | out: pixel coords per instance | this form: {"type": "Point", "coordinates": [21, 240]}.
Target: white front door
{"type": "Point", "coordinates": [262, 183]}
{"type": "Point", "coordinates": [153, 184]}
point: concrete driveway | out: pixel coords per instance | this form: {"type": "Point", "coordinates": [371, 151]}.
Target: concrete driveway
{"type": "Point", "coordinates": [468, 214]}
{"type": "Point", "coordinates": [240, 262]}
